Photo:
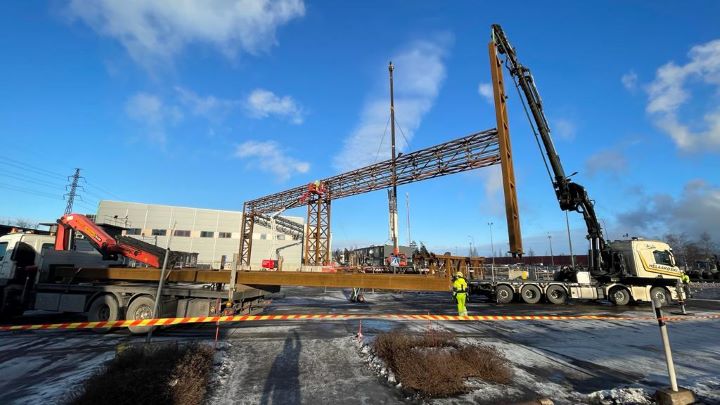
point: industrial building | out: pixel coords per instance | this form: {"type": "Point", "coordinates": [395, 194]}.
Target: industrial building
{"type": "Point", "coordinates": [213, 234]}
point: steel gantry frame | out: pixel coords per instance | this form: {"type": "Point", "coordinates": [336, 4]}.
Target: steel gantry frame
{"type": "Point", "coordinates": [480, 149]}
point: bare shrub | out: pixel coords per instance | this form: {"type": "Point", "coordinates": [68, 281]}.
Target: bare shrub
{"type": "Point", "coordinates": [150, 375]}
{"type": "Point", "coordinates": [436, 364]}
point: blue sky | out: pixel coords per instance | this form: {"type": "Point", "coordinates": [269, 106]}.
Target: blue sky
{"type": "Point", "coordinates": [209, 104]}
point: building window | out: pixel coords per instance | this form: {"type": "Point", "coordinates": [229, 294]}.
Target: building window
{"type": "Point", "coordinates": [207, 234]}
{"type": "Point", "coordinates": [263, 236]}
{"type": "Point", "coordinates": [225, 235]}
{"type": "Point", "coordinates": [133, 231]}
{"type": "Point", "coordinates": [281, 237]}
{"type": "Point", "coordinates": [184, 234]}
{"type": "Point", "coordinates": [159, 232]}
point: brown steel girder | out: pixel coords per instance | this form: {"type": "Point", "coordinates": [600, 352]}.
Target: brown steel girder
{"type": "Point", "coordinates": [512, 212]}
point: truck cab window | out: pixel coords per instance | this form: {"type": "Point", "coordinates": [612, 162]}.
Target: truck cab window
{"type": "Point", "coordinates": [3, 249]}
{"type": "Point", "coordinates": [662, 257]}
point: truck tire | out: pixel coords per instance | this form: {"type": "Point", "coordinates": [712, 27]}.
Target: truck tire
{"type": "Point", "coordinates": [531, 294]}
{"type": "Point", "coordinates": [504, 294]}
{"type": "Point", "coordinates": [103, 308]}
{"type": "Point", "coordinates": [556, 294]}
{"type": "Point", "coordinates": [619, 296]}
{"type": "Point", "coordinates": [660, 295]}
{"type": "Point", "coordinates": [140, 308]}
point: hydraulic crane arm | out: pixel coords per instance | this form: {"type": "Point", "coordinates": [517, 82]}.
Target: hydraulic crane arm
{"type": "Point", "coordinates": [570, 195]}
{"type": "Point", "coordinates": [104, 242]}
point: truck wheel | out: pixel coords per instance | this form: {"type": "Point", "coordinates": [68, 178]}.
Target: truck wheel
{"type": "Point", "coordinates": [660, 296]}
{"type": "Point", "coordinates": [140, 308]}
{"type": "Point", "coordinates": [103, 309]}
{"type": "Point", "coordinates": [531, 294]}
{"type": "Point", "coordinates": [620, 296]}
{"type": "Point", "coordinates": [504, 294]}
{"type": "Point", "coordinates": [556, 294]}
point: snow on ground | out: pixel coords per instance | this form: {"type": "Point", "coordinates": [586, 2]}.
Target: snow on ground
{"type": "Point", "coordinates": [320, 361]}
{"type": "Point", "coordinates": [49, 368]}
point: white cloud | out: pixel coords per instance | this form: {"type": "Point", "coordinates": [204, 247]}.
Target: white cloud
{"type": "Point", "coordinates": [153, 32]}
{"type": "Point", "coordinates": [210, 107]}
{"type": "Point", "coordinates": [629, 80]}
{"type": "Point", "coordinates": [668, 92]}
{"type": "Point", "coordinates": [262, 103]}
{"type": "Point", "coordinates": [153, 114]}
{"type": "Point", "coordinates": [694, 210]}
{"type": "Point", "coordinates": [486, 91]}
{"type": "Point", "coordinates": [269, 157]}
{"type": "Point", "coordinates": [608, 161]}
{"type": "Point", "coordinates": [418, 76]}
{"type": "Point", "coordinates": [564, 128]}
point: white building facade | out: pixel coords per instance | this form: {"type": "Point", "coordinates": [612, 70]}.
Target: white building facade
{"type": "Point", "coordinates": [213, 234]}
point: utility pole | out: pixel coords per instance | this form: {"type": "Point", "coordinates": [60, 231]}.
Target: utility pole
{"type": "Point", "coordinates": [72, 192]}
{"type": "Point", "coordinates": [572, 256]}
{"type": "Point", "coordinates": [552, 257]}
{"type": "Point", "coordinates": [393, 192]}
{"type": "Point", "coordinates": [492, 246]}
{"type": "Point", "coordinates": [407, 210]}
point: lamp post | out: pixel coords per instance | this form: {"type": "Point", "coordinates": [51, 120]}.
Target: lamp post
{"type": "Point", "coordinates": [572, 256]}
{"type": "Point", "coordinates": [552, 257]}
{"type": "Point", "coordinates": [492, 246]}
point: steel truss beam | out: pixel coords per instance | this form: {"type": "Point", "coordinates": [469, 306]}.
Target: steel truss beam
{"type": "Point", "coordinates": [474, 151]}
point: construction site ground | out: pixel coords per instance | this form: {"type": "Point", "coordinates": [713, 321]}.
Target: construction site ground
{"type": "Point", "coordinates": [321, 361]}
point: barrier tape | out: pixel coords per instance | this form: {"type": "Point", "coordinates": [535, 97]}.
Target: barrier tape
{"type": "Point", "coordinates": [393, 317]}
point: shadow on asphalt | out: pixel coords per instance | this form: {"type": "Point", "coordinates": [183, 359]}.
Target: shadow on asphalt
{"type": "Point", "coordinates": [283, 380]}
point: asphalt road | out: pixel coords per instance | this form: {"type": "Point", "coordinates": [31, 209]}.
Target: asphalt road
{"type": "Point", "coordinates": [320, 361]}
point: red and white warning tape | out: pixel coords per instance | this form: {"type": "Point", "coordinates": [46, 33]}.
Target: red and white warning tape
{"type": "Point", "coordinates": [296, 317]}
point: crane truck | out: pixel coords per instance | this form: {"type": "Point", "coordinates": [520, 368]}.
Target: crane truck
{"type": "Point", "coordinates": [51, 273]}
{"type": "Point", "coordinates": [620, 271]}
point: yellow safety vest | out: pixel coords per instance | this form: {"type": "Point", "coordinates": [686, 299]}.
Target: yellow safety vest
{"type": "Point", "coordinates": [459, 285]}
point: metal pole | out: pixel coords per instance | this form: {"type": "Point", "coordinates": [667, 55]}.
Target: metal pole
{"type": "Point", "coordinates": [572, 256]}
{"type": "Point", "coordinates": [552, 257]}
{"type": "Point", "coordinates": [160, 282]}
{"type": "Point", "coordinates": [407, 210]}
{"type": "Point", "coordinates": [393, 203]}
{"type": "Point", "coordinates": [666, 346]}
{"type": "Point", "coordinates": [492, 246]}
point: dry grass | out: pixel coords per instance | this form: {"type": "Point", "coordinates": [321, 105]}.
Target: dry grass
{"type": "Point", "coordinates": [150, 375]}
{"type": "Point", "coordinates": [435, 363]}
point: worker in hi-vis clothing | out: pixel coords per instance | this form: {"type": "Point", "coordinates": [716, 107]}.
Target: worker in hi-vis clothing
{"type": "Point", "coordinates": [459, 289]}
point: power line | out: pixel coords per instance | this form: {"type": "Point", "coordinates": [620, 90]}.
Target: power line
{"type": "Point", "coordinates": [28, 167]}
{"type": "Point", "coordinates": [104, 191]}
{"type": "Point", "coordinates": [29, 191]}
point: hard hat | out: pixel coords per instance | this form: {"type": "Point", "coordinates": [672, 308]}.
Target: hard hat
{"type": "Point", "coordinates": [459, 274]}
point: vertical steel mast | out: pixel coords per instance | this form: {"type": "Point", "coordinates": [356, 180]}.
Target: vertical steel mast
{"type": "Point", "coordinates": [392, 193]}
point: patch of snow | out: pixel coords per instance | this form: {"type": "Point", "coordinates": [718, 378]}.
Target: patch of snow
{"type": "Point", "coordinates": [621, 396]}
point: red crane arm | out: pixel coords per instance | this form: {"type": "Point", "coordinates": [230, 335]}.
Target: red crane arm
{"type": "Point", "coordinates": [101, 240]}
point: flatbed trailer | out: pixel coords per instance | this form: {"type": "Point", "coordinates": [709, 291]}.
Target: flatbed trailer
{"type": "Point", "coordinates": [36, 276]}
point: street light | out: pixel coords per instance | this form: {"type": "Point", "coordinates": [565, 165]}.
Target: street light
{"type": "Point", "coordinates": [552, 258]}
{"type": "Point", "coordinates": [492, 246]}
{"type": "Point", "coordinates": [572, 256]}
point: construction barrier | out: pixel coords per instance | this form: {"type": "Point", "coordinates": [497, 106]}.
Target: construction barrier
{"type": "Point", "coordinates": [339, 317]}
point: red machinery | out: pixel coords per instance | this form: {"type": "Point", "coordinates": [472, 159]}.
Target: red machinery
{"type": "Point", "coordinates": [109, 246]}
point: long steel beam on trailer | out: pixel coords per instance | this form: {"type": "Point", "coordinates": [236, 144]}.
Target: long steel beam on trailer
{"type": "Point", "coordinates": [408, 282]}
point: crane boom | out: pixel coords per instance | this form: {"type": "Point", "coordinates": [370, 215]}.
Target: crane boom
{"type": "Point", "coordinates": [570, 195]}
